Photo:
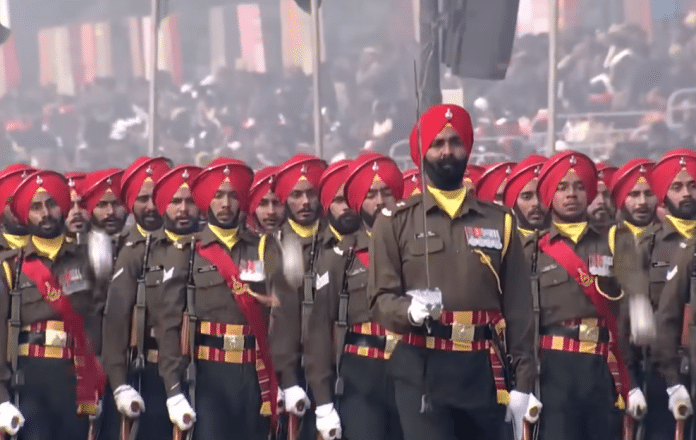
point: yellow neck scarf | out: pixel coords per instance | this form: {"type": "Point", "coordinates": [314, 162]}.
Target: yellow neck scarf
{"type": "Point", "coordinates": [449, 201]}
{"type": "Point", "coordinates": [17, 241]}
{"type": "Point", "coordinates": [686, 228]}
{"type": "Point", "coordinates": [635, 230]}
{"type": "Point", "coordinates": [524, 233]}
{"type": "Point", "coordinates": [141, 230]}
{"type": "Point", "coordinates": [176, 238]}
{"type": "Point", "coordinates": [336, 234]}
{"type": "Point", "coordinates": [228, 236]}
{"type": "Point", "coordinates": [574, 231]}
{"type": "Point", "coordinates": [48, 247]}
{"type": "Point", "coordinates": [303, 231]}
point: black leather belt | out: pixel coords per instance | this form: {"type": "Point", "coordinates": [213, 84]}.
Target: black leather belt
{"type": "Point", "coordinates": [219, 341]}
{"type": "Point", "coordinates": [369, 341]}
{"type": "Point", "coordinates": [443, 331]}
{"type": "Point", "coordinates": [577, 332]}
{"type": "Point", "coordinates": [39, 338]}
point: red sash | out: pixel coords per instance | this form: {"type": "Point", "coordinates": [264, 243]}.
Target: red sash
{"type": "Point", "coordinates": [89, 371]}
{"type": "Point", "coordinates": [363, 257]}
{"type": "Point", "coordinates": [249, 306]}
{"type": "Point", "coordinates": [576, 267]}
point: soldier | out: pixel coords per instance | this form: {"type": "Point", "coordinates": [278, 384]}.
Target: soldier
{"type": "Point", "coordinates": [15, 235]}
{"type": "Point", "coordinates": [100, 196]}
{"type": "Point", "coordinates": [137, 185]}
{"type": "Point", "coordinates": [342, 220]}
{"type": "Point", "coordinates": [448, 368]}
{"type": "Point", "coordinates": [490, 186]}
{"type": "Point", "coordinates": [77, 221]}
{"type": "Point", "coordinates": [56, 378]}
{"type": "Point", "coordinates": [521, 196]}
{"type": "Point", "coordinates": [364, 387]}
{"type": "Point", "coordinates": [266, 213]}
{"type": "Point", "coordinates": [297, 187]}
{"type": "Point", "coordinates": [235, 380]}
{"type": "Point", "coordinates": [583, 373]}
{"type": "Point", "coordinates": [601, 210]}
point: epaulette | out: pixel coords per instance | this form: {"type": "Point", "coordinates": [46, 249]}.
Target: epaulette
{"type": "Point", "coordinates": [403, 205]}
{"type": "Point", "coordinates": [495, 206]}
{"type": "Point", "coordinates": [338, 251]}
{"type": "Point", "coordinates": [8, 254]}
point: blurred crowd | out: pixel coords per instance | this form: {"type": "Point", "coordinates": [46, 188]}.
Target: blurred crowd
{"type": "Point", "coordinates": [368, 102]}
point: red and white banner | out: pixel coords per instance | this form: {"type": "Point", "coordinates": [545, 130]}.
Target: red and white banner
{"type": "Point", "coordinates": [251, 38]}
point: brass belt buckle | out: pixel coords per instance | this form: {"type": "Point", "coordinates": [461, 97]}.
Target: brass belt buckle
{"type": "Point", "coordinates": [233, 343]}
{"type": "Point", "coordinates": [588, 333]}
{"type": "Point", "coordinates": [56, 338]}
{"type": "Point", "coordinates": [390, 345]}
{"type": "Point", "coordinates": [463, 332]}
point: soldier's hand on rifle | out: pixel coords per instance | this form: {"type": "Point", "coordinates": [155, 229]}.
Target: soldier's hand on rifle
{"type": "Point", "coordinates": [679, 402]}
{"type": "Point", "coordinates": [296, 400]}
{"type": "Point", "coordinates": [11, 420]}
{"type": "Point", "coordinates": [180, 412]}
{"type": "Point", "coordinates": [281, 400]}
{"type": "Point", "coordinates": [637, 405]}
{"type": "Point", "coordinates": [522, 406]}
{"type": "Point", "coordinates": [328, 422]}
{"type": "Point", "coordinates": [128, 401]}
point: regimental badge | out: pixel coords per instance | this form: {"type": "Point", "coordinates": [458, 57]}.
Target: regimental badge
{"type": "Point", "coordinates": [585, 279]}
{"type": "Point", "coordinates": [600, 265]}
{"type": "Point", "coordinates": [109, 181]}
{"type": "Point", "coordinates": [149, 171]}
{"type": "Point", "coordinates": [53, 294]}
{"type": "Point", "coordinates": [375, 167]}
{"type": "Point", "coordinates": [71, 182]}
{"type": "Point", "coordinates": [573, 161]}
{"type": "Point", "coordinates": [483, 237]}
{"type": "Point", "coordinates": [303, 170]}
{"type": "Point", "coordinates": [682, 161]}
{"type": "Point", "coordinates": [185, 175]}
{"type": "Point", "coordinates": [537, 170]}
{"type": "Point", "coordinates": [449, 114]}
{"type": "Point", "coordinates": [642, 169]}
{"type": "Point", "coordinates": [226, 171]}
{"type": "Point", "coordinates": [39, 180]}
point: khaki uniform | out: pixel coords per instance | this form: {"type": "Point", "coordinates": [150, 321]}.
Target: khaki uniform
{"type": "Point", "coordinates": [47, 397]}
{"type": "Point", "coordinates": [486, 275]}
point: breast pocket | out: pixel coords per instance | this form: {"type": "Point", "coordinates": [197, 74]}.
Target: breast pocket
{"type": "Point", "coordinates": [553, 285]}
{"type": "Point", "coordinates": [153, 276]}
{"type": "Point", "coordinates": [417, 246]}
{"type": "Point", "coordinates": [207, 279]}
{"type": "Point", "coordinates": [30, 294]}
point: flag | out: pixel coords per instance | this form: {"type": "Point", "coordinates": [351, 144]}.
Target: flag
{"type": "Point", "coordinates": [478, 37]}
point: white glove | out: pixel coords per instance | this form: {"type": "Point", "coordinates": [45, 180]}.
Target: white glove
{"type": "Point", "coordinates": [296, 400]}
{"type": "Point", "coordinates": [180, 412]}
{"type": "Point", "coordinates": [417, 313]}
{"type": "Point", "coordinates": [533, 409]}
{"type": "Point", "coordinates": [516, 410]}
{"type": "Point", "coordinates": [637, 405]}
{"type": "Point", "coordinates": [11, 420]}
{"type": "Point", "coordinates": [128, 401]}
{"type": "Point", "coordinates": [679, 399]}
{"type": "Point", "coordinates": [328, 422]}
{"type": "Point", "coordinates": [281, 399]}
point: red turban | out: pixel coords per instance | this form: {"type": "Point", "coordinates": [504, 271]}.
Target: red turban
{"type": "Point", "coordinates": [433, 121]}
{"type": "Point", "coordinates": [605, 173]}
{"type": "Point", "coordinates": [491, 179]}
{"type": "Point", "coordinates": [137, 173]}
{"type": "Point", "coordinates": [76, 181]}
{"type": "Point", "coordinates": [362, 172]}
{"type": "Point", "coordinates": [262, 184]}
{"type": "Point", "coordinates": [556, 168]}
{"type": "Point", "coordinates": [220, 170]}
{"type": "Point", "coordinates": [10, 178]}
{"type": "Point", "coordinates": [412, 183]}
{"type": "Point", "coordinates": [521, 174]}
{"type": "Point", "coordinates": [53, 183]}
{"type": "Point", "coordinates": [331, 180]}
{"type": "Point", "coordinates": [473, 173]}
{"type": "Point", "coordinates": [169, 184]}
{"type": "Point", "coordinates": [668, 167]}
{"type": "Point", "coordinates": [626, 178]}
{"type": "Point", "coordinates": [96, 184]}
{"type": "Point", "coordinates": [299, 166]}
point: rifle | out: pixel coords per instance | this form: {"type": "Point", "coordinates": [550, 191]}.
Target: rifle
{"type": "Point", "coordinates": [342, 322]}
{"type": "Point", "coordinates": [308, 289]}
{"type": "Point", "coordinates": [188, 339]}
{"type": "Point", "coordinates": [137, 342]}
{"type": "Point", "coordinates": [688, 336]}
{"type": "Point", "coordinates": [536, 288]}
{"type": "Point", "coordinates": [14, 326]}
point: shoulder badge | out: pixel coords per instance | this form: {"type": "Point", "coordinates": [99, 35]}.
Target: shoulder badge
{"type": "Point", "coordinates": [338, 251]}
{"type": "Point", "coordinates": [386, 212]}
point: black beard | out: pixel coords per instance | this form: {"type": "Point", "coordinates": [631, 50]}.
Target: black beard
{"type": "Point", "coordinates": [229, 225]}
{"type": "Point", "coordinates": [149, 222]}
{"type": "Point", "coordinates": [581, 217]}
{"type": "Point", "coordinates": [54, 231]}
{"type": "Point", "coordinates": [685, 211]}
{"type": "Point", "coordinates": [13, 228]}
{"type": "Point", "coordinates": [629, 218]}
{"type": "Point", "coordinates": [346, 223]}
{"type": "Point", "coordinates": [308, 222]}
{"type": "Point", "coordinates": [446, 174]}
{"type": "Point", "coordinates": [523, 223]}
{"type": "Point", "coordinates": [171, 227]}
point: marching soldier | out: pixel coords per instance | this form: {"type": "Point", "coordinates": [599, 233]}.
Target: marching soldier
{"type": "Point", "coordinates": [14, 235]}
{"type": "Point", "coordinates": [100, 196]}
{"type": "Point", "coordinates": [601, 211]}
{"type": "Point", "coordinates": [235, 381]}
{"type": "Point", "coordinates": [583, 375]}
{"type": "Point", "coordinates": [358, 359]}
{"type": "Point", "coordinates": [126, 308]}
{"type": "Point", "coordinates": [77, 220]}
{"type": "Point", "coordinates": [449, 366]}
{"type": "Point", "coordinates": [266, 213]}
{"type": "Point", "coordinates": [521, 195]}
{"type": "Point", "coordinates": [342, 220]}
{"type": "Point", "coordinates": [48, 296]}
{"type": "Point", "coordinates": [297, 187]}
{"type": "Point", "coordinates": [491, 184]}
